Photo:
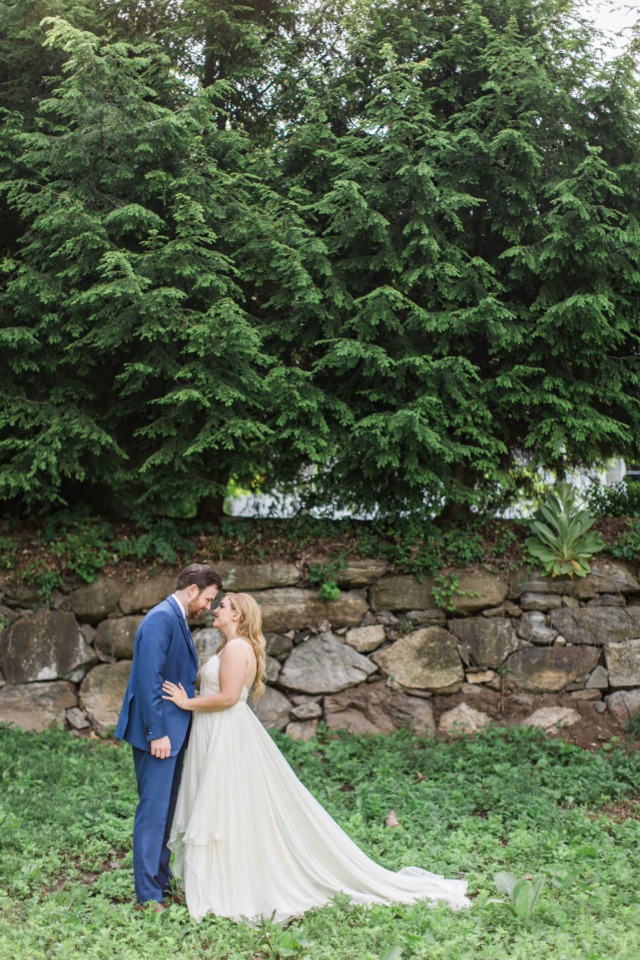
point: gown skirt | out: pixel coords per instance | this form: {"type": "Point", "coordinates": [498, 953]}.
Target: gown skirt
{"type": "Point", "coordinates": [249, 840]}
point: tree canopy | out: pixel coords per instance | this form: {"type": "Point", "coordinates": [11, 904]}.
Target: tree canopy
{"type": "Point", "coordinates": [384, 252]}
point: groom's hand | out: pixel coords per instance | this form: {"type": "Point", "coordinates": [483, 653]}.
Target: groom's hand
{"type": "Point", "coordinates": [161, 748]}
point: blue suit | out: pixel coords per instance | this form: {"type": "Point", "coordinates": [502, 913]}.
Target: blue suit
{"type": "Point", "coordinates": [163, 650]}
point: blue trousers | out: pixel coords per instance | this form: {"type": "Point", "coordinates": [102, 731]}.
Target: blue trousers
{"type": "Point", "coordinates": [158, 782]}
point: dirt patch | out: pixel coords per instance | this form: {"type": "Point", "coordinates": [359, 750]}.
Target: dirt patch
{"type": "Point", "coordinates": [619, 811]}
{"type": "Point", "coordinates": [509, 708]}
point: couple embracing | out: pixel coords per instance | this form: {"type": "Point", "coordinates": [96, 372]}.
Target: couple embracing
{"type": "Point", "coordinates": [249, 841]}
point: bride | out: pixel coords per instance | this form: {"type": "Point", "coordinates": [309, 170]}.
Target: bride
{"type": "Point", "coordinates": [249, 840]}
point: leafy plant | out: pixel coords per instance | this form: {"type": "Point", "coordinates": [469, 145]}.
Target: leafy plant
{"type": "Point", "coordinates": [561, 537]}
{"type": "Point", "coordinates": [279, 944]}
{"type": "Point", "coordinates": [633, 726]}
{"type": "Point", "coordinates": [393, 953]}
{"type": "Point", "coordinates": [616, 500]}
{"type": "Point", "coordinates": [325, 576]}
{"type": "Point", "coordinates": [8, 552]}
{"type": "Point", "coordinates": [161, 540]}
{"type": "Point", "coordinates": [80, 541]}
{"type": "Point", "coordinates": [627, 546]}
{"type": "Point", "coordinates": [522, 894]}
{"type": "Point", "coordinates": [443, 590]}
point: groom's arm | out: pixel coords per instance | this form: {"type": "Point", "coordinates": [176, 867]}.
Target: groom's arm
{"type": "Point", "coordinates": [155, 638]}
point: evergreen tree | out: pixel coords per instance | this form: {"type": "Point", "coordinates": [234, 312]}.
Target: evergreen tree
{"type": "Point", "coordinates": [465, 328]}
{"type": "Point", "coordinates": [385, 251]}
{"type": "Point", "coordinates": [132, 366]}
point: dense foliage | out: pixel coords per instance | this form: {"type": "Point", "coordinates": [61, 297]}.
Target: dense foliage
{"type": "Point", "coordinates": [385, 253]}
{"type": "Point", "coordinates": [506, 801]}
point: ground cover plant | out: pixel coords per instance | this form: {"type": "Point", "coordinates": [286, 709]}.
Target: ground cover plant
{"type": "Point", "coordinates": [507, 802]}
{"type": "Point", "coordinates": [71, 547]}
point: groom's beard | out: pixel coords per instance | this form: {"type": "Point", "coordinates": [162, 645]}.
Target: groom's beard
{"type": "Point", "coordinates": [194, 610]}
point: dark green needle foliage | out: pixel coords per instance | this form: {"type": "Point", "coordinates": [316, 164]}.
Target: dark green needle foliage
{"type": "Point", "coordinates": [384, 252]}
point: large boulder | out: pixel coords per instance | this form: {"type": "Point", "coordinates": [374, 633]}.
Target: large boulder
{"type": "Point", "coordinates": [273, 709]}
{"type": "Point", "coordinates": [23, 595]}
{"type": "Point", "coordinates": [401, 593]}
{"type": "Point", "coordinates": [606, 576]}
{"type": "Point", "coordinates": [45, 646]}
{"type": "Point", "coordinates": [598, 680]}
{"type": "Point", "coordinates": [206, 642]}
{"type": "Point", "coordinates": [302, 730]}
{"type": "Point", "coordinates": [278, 645]}
{"type": "Point", "coordinates": [550, 669]}
{"type": "Point", "coordinates": [427, 659]}
{"type": "Point", "coordinates": [623, 663]}
{"type": "Point", "coordinates": [597, 625]}
{"type": "Point", "coordinates": [291, 608]}
{"type": "Point", "coordinates": [355, 574]}
{"type": "Point", "coordinates": [433, 617]}
{"type": "Point", "coordinates": [95, 601]}
{"type": "Point", "coordinates": [142, 596]}
{"type": "Point", "coordinates": [324, 664]}
{"type": "Point", "coordinates": [623, 705]}
{"type": "Point", "coordinates": [477, 591]}
{"type": "Point", "coordinates": [376, 708]}
{"type": "Point", "coordinates": [35, 706]}
{"type": "Point", "coordinates": [361, 573]}
{"type": "Point", "coordinates": [487, 642]}
{"type": "Point", "coordinates": [272, 668]}
{"type": "Point", "coordinates": [473, 592]}
{"type": "Point", "coordinates": [307, 709]}
{"type": "Point", "coordinates": [534, 629]}
{"type": "Point", "coordinates": [248, 577]}
{"type": "Point", "coordinates": [102, 693]}
{"type": "Point", "coordinates": [541, 601]}
{"type": "Point", "coordinates": [7, 616]}
{"type": "Point", "coordinates": [115, 637]}
{"type": "Point", "coordinates": [463, 720]}
{"type": "Point", "coordinates": [365, 639]}
{"type": "Point", "coordinates": [552, 719]}
{"type": "Point", "coordinates": [609, 576]}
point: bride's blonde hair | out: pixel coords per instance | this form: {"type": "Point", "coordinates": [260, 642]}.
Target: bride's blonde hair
{"type": "Point", "coordinates": [250, 627]}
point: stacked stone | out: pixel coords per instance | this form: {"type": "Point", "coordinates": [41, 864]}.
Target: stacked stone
{"type": "Point", "coordinates": [377, 658]}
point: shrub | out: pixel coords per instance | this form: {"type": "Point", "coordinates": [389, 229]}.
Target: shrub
{"type": "Point", "coordinates": [561, 538]}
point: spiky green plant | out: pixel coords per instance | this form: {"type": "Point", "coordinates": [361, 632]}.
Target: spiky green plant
{"type": "Point", "coordinates": [561, 536]}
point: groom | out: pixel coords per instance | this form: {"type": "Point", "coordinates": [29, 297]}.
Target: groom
{"type": "Point", "coordinates": [157, 732]}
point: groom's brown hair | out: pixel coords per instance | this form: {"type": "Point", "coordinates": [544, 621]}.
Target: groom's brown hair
{"type": "Point", "coordinates": [202, 574]}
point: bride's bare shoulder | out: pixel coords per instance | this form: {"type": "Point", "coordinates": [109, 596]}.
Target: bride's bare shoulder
{"type": "Point", "coordinates": [238, 645]}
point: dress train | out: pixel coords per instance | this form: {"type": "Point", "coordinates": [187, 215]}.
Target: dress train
{"type": "Point", "coordinates": [250, 842]}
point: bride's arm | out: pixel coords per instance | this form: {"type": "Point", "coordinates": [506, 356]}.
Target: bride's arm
{"type": "Point", "coordinates": [233, 669]}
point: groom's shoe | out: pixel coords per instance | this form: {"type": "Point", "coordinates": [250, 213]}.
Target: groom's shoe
{"type": "Point", "coordinates": [177, 898]}
{"type": "Point", "coordinates": [154, 906]}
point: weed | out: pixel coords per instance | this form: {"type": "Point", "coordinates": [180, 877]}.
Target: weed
{"type": "Point", "coordinates": [325, 576]}
{"type": "Point", "coordinates": [522, 894]}
{"type": "Point", "coordinates": [161, 540]}
{"type": "Point", "coordinates": [45, 577]}
{"type": "Point", "coordinates": [633, 727]}
{"type": "Point", "coordinates": [8, 553]}
{"type": "Point", "coordinates": [443, 591]}
{"type": "Point", "coordinates": [627, 546]}
{"type": "Point", "coordinates": [279, 944]}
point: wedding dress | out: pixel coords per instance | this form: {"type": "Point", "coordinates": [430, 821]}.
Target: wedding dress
{"type": "Point", "coordinates": [249, 840]}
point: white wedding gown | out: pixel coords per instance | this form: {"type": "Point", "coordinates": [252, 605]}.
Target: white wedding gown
{"type": "Point", "coordinates": [251, 842]}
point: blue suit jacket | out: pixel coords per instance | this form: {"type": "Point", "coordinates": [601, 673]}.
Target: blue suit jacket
{"type": "Point", "coordinates": [163, 650]}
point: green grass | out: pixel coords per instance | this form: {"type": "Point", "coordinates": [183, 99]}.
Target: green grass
{"type": "Point", "coordinates": [507, 801]}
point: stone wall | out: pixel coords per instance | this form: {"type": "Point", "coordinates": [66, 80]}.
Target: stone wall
{"type": "Point", "coordinates": [381, 656]}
